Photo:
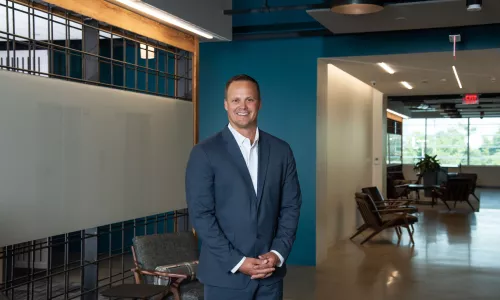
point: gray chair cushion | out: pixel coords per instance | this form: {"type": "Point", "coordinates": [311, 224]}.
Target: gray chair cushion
{"type": "Point", "coordinates": [165, 249]}
{"type": "Point", "coordinates": [190, 291]}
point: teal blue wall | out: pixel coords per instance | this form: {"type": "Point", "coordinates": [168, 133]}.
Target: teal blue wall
{"type": "Point", "coordinates": [286, 70]}
{"type": "Point", "coordinates": [288, 88]}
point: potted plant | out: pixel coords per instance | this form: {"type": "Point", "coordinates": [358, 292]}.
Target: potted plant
{"type": "Point", "coordinates": [428, 167]}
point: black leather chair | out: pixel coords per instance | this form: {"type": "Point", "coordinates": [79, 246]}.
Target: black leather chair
{"type": "Point", "coordinates": [177, 255]}
{"type": "Point", "coordinates": [382, 203]}
{"type": "Point", "coordinates": [379, 220]}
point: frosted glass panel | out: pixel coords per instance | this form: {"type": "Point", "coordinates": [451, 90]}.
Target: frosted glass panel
{"type": "Point", "coordinates": [76, 156]}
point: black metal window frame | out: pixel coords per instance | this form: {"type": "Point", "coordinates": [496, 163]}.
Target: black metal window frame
{"type": "Point", "coordinates": [69, 273]}
{"type": "Point", "coordinates": [79, 264]}
{"type": "Point", "coordinates": [124, 60]}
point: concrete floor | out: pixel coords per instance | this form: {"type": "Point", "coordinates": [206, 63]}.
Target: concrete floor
{"type": "Point", "coordinates": [456, 256]}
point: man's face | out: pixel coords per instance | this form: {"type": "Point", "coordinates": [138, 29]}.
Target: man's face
{"type": "Point", "coordinates": [242, 104]}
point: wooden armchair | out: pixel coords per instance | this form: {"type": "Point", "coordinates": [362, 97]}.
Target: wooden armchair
{"type": "Point", "coordinates": [373, 219]}
{"type": "Point", "coordinates": [456, 189]}
{"type": "Point", "coordinates": [382, 203]}
{"type": "Point", "coordinates": [396, 191]}
{"type": "Point", "coordinates": [473, 178]}
{"type": "Point", "coordinates": [175, 252]}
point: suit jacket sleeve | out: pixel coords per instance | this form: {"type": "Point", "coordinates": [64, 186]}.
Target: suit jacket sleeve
{"type": "Point", "coordinates": [291, 200]}
{"type": "Point", "coordinates": [201, 206]}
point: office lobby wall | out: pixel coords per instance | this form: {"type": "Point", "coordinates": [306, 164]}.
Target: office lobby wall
{"type": "Point", "coordinates": [78, 156]}
{"type": "Point", "coordinates": [347, 108]}
{"type": "Point", "coordinates": [287, 71]}
{"type": "Point", "coordinates": [131, 80]}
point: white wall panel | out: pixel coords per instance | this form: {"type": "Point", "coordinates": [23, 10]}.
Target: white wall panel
{"type": "Point", "coordinates": [75, 156]}
{"type": "Point", "coordinates": [345, 152]}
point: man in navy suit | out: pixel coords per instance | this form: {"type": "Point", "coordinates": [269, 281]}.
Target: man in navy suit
{"type": "Point", "coordinates": [244, 201]}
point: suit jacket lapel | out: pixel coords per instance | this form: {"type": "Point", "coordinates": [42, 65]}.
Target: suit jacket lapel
{"type": "Point", "coordinates": [263, 162]}
{"type": "Point", "coordinates": [236, 156]}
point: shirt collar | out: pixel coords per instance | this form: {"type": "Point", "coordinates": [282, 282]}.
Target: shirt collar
{"type": "Point", "coordinates": [240, 139]}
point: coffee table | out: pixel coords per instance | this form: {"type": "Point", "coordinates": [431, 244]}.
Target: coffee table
{"type": "Point", "coordinates": [419, 187]}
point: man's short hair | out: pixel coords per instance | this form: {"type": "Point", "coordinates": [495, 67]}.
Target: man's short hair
{"type": "Point", "coordinates": [242, 77]}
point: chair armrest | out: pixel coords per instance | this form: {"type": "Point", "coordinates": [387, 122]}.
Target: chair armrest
{"type": "Point", "coordinates": [158, 273]}
{"type": "Point", "coordinates": [403, 210]}
{"type": "Point", "coordinates": [397, 201]}
{"type": "Point", "coordinates": [396, 210]}
{"type": "Point", "coordinates": [401, 186]}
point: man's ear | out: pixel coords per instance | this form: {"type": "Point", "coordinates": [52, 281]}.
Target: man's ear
{"type": "Point", "coordinates": [225, 104]}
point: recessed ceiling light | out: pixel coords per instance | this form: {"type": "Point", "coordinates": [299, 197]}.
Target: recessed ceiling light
{"type": "Point", "coordinates": [356, 7]}
{"type": "Point", "coordinates": [444, 80]}
{"type": "Point", "coordinates": [384, 66]}
{"type": "Point", "coordinates": [400, 18]}
{"type": "Point", "coordinates": [456, 76]}
{"type": "Point", "coordinates": [164, 16]}
{"type": "Point", "coordinates": [406, 85]}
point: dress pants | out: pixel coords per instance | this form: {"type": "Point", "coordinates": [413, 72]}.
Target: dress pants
{"type": "Point", "coordinates": [254, 291]}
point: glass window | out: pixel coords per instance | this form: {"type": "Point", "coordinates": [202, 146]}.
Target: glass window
{"type": "Point", "coordinates": [484, 141]}
{"type": "Point", "coordinates": [413, 140]}
{"type": "Point", "coordinates": [447, 138]}
{"type": "Point", "coordinates": [394, 149]}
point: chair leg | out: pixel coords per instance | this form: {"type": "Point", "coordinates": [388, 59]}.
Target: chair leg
{"type": "Point", "coordinates": [176, 293]}
{"type": "Point", "coordinates": [468, 202]}
{"type": "Point", "coordinates": [412, 228]}
{"type": "Point", "coordinates": [446, 204]}
{"type": "Point", "coordinates": [399, 233]}
{"type": "Point", "coordinates": [359, 230]}
{"type": "Point", "coordinates": [411, 235]}
{"type": "Point", "coordinates": [370, 237]}
{"type": "Point", "coordinates": [475, 197]}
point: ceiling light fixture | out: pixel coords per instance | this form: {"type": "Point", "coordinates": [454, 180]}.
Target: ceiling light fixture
{"type": "Point", "coordinates": [384, 66]}
{"type": "Point", "coordinates": [356, 7]}
{"type": "Point", "coordinates": [456, 76]}
{"type": "Point", "coordinates": [397, 114]}
{"type": "Point", "coordinates": [406, 85]}
{"type": "Point", "coordinates": [164, 16]}
{"type": "Point", "coordinates": [474, 5]}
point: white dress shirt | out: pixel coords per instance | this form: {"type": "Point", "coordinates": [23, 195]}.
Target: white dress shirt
{"type": "Point", "coordinates": [251, 155]}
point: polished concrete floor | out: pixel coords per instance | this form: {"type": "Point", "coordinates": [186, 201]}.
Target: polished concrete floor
{"type": "Point", "coordinates": [456, 256]}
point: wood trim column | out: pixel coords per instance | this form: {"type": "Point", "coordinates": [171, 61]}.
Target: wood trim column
{"type": "Point", "coordinates": [195, 96]}
{"type": "Point", "coordinates": [394, 117]}
{"type": "Point", "coordinates": [118, 16]}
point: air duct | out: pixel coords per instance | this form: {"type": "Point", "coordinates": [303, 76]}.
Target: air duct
{"type": "Point", "coordinates": [356, 7]}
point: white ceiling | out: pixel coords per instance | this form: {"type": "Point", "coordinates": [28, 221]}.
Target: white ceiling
{"type": "Point", "coordinates": [406, 16]}
{"type": "Point", "coordinates": [428, 73]}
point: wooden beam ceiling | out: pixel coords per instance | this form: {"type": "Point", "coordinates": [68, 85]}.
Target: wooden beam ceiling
{"type": "Point", "coordinates": [118, 16]}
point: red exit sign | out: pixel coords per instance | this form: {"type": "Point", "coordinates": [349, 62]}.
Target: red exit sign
{"type": "Point", "coordinates": [470, 99]}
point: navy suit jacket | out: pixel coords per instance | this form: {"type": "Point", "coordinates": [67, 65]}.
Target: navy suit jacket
{"type": "Point", "coordinates": [229, 218]}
